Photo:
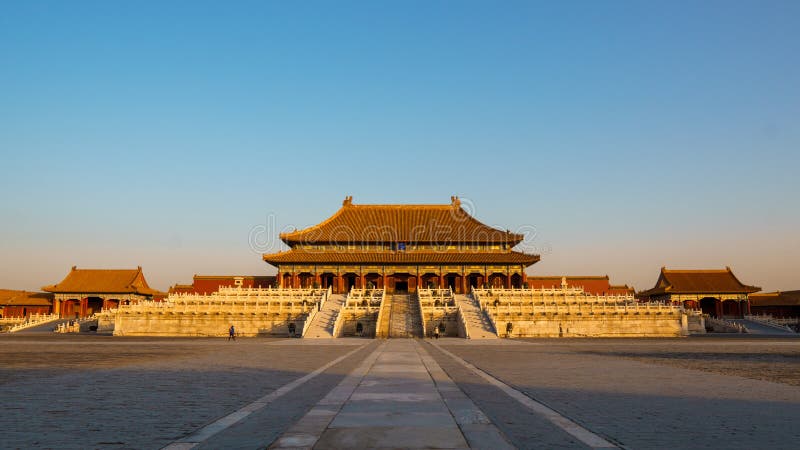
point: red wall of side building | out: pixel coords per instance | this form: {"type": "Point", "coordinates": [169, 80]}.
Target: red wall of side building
{"type": "Point", "coordinates": [208, 285]}
{"type": "Point", "coordinates": [24, 311]}
{"type": "Point", "coordinates": [593, 286]}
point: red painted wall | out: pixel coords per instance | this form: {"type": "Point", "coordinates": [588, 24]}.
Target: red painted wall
{"type": "Point", "coordinates": [22, 311]}
{"type": "Point", "coordinates": [207, 285]}
{"type": "Point", "coordinates": [593, 286]}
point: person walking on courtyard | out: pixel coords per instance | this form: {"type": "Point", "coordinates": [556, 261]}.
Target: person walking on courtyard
{"type": "Point", "coordinates": [436, 332]}
{"type": "Point", "coordinates": [231, 333]}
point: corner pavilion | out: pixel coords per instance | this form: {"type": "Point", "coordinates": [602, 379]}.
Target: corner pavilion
{"type": "Point", "coordinates": [84, 292]}
{"type": "Point", "coordinates": [718, 293]}
{"type": "Point", "coordinates": [400, 248]}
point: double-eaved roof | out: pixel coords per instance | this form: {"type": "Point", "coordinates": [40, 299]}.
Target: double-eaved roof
{"type": "Point", "coordinates": [446, 226]}
{"type": "Point", "coordinates": [103, 281]}
{"type": "Point", "coordinates": [297, 256]}
{"type": "Point", "coordinates": [429, 224]}
{"type": "Point", "coordinates": [699, 282]}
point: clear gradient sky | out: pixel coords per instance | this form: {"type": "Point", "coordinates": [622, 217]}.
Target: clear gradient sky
{"type": "Point", "coordinates": [630, 135]}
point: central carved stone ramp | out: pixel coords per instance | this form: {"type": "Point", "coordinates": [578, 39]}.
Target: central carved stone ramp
{"type": "Point", "coordinates": [478, 324]}
{"type": "Point", "coordinates": [322, 324]}
{"type": "Point", "coordinates": [405, 320]}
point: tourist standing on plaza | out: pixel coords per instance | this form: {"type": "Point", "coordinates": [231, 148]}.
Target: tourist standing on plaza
{"type": "Point", "coordinates": [231, 333]}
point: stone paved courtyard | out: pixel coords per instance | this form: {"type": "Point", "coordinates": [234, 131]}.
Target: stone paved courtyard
{"type": "Point", "coordinates": [104, 392]}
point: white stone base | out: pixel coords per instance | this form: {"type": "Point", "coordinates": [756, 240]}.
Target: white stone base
{"type": "Point", "coordinates": [211, 324]}
{"type": "Point", "coordinates": [592, 326]}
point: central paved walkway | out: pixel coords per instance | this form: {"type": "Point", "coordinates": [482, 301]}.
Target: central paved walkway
{"type": "Point", "coordinates": [398, 397]}
{"type": "Point", "coordinates": [99, 392]}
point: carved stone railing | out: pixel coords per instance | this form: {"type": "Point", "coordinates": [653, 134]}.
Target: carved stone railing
{"type": "Point", "coordinates": [309, 320]}
{"type": "Point", "coordinates": [463, 327]}
{"type": "Point", "coordinates": [769, 321]}
{"type": "Point", "coordinates": [75, 325]}
{"type": "Point", "coordinates": [236, 300]}
{"type": "Point", "coordinates": [365, 297]}
{"type": "Point", "coordinates": [726, 325]}
{"type": "Point", "coordinates": [337, 324]}
{"type": "Point", "coordinates": [570, 301]}
{"type": "Point", "coordinates": [33, 320]}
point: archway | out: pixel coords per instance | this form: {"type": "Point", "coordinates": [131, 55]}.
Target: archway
{"type": "Point", "coordinates": [516, 281]}
{"type": "Point", "coordinates": [69, 308]}
{"type": "Point", "coordinates": [453, 281]}
{"type": "Point", "coordinates": [375, 279]}
{"type": "Point", "coordinates": [475, 280]}
{"type": "Point", "coordinates": [430, 280]}
{"type": "Point", "coordinates": [709, 306]}
{"type": "Point", "coordinates": [497, 280]}
{"type": "Point", "coordinates": [327, 280]}
{"type": "Point", "coordinates": [400, 282]}
{"type": "Point", "coordinates": [306, 280]}
{"type": "Point", "coordinates": [93, 305]}
{"type": "Point", "coordinates": [731, 308]}
{"type": "Point", "coordinates": [349, 281]}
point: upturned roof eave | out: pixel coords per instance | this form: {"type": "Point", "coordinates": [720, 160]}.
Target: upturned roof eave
{"type": "Point", "coordinates": [297, 257]}
{"type": "Point", "coordinates": [306, 235]}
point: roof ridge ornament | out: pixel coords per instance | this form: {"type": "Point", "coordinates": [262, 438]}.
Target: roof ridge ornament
{"type": "Point", "coordinates": [348, 201]}
{"type": "Point", "coordinates": [455, 201]}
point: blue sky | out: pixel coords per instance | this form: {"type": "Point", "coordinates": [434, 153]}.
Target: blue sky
{"type": "Point", "coordinates": [630, 135]}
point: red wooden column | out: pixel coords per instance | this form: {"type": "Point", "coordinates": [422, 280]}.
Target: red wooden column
{"type": "Point", "coordinates": [524, 276]}
{"type": "Point", "coordinates": [317, 279]}
{"type": "Point", "coordinates": [84, 306]}
{"type": "Point", "coordinates": [718, 307]}
{"type": "Point", "coordinates": [295, 280]}
{"type": "Point", "coordinates": [279, 279]}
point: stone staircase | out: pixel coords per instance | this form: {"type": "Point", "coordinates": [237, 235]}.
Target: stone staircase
{"type": "Point", "coordinates": [477, 323]}
{"type": "Point", "coordinates": [754, 327]}
{"type": "Point", "coordinates": [405, 320]}
{"type": "Point", "coordinates": [322, 325]}
{"type": "Point", "coordinates": [44, 323]}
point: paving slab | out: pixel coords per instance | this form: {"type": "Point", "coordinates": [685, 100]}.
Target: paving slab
{"type": "Point", "coordinates": [391, 437]}
{"type": "Point", "coordinates": [637, 403]}
{"type": "Point", "coordinates": [70, 392]}
{"type": "Point", "coordinates": [77, 392]}
{"type": "Point", "coordinates": [397, 404]}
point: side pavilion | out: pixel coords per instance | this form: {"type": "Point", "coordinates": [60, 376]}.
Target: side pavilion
{"type": "Point", "coordinates": [716, 292]}
{"type": "Point", "coordinates": [84, 292]}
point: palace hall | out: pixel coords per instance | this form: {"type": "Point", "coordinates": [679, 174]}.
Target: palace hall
{"type": "Point", "coordinates": [401, 248]}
